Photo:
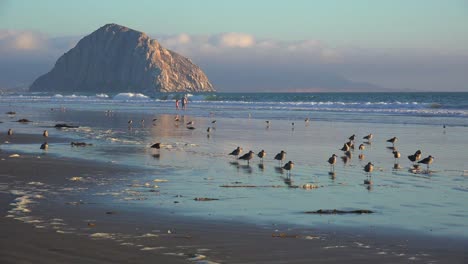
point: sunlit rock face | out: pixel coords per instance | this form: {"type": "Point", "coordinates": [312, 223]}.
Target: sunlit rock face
{"type": "Point", "coordinates": [116, 59]}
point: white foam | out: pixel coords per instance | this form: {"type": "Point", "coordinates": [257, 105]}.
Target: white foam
{"type": "Point", "coordinates": [130, 96]}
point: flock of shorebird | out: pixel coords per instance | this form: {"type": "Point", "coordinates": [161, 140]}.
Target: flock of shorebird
{"type": "Point", "coordinates": [347, 148]}
{"type": "Point", "coordinates": [369, 167]}
{"type": "Point", "coordinates": [45, 133]}
{"type": "Point", "coordinates": [281, 156]}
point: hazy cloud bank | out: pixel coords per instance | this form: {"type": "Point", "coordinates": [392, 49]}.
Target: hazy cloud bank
{"type": "Point", "coordinates": [241, 62]}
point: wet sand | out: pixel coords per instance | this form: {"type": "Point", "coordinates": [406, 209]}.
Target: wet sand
{"type": "Point", "coordinates": [68, 222]}
{"type": "Point", "coordinates": [134, 236]}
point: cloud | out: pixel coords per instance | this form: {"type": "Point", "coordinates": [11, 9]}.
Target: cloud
{"type": "Point", "coordinates": [243, 62]}
{"type": "Point", "coordinates": [235, 40]}
{"type": "Point", "coordinates": [21, 40]}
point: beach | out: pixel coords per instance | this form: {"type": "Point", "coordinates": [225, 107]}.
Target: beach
{"type": "Point", "coordinates": [118, 200]}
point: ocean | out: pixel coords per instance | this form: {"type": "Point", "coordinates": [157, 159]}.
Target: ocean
{"type": "Point", "coordinates": [195, 163]}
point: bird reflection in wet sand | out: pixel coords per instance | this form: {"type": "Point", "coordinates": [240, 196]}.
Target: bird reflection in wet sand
{"type": "Point", "coordinates": [261, 166]}
{"type": "Point", "coordinates": [345, 159]}
{"type": "Point", "coordinates": [279, 170]}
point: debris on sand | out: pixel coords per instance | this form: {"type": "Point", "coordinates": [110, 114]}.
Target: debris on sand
{"type": "Point", "coordinates": [309, 186]}
{"type": "Point", "coordinates": [65, 126]}
{"type": "Point", "coordinates": [252, 186]}
{"type": "Point", "coordinates": [204, 199]}
{"type": "Point", "coordinates": [335, 211]}
{"type": "Point", "coordinates": [80, 144]}
{"type": "Point", "coordinates": [24, 120]}
{"type": "Point", "coordinates": [14, 156]}
{"type": "Point", "coordinates": [76, 178]}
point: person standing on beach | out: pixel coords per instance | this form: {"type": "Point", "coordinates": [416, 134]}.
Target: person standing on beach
{"type": "Point", "coordinates": [184, 102]}
{"type": "Point", "coordinates": [177, 104]}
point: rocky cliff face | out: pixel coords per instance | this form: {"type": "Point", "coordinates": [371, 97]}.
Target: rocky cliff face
{"type": "Point", "coordinates": [118, 59]}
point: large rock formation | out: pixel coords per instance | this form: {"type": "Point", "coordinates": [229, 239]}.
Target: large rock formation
{"type": "Point", "coordinates": [118, 59]}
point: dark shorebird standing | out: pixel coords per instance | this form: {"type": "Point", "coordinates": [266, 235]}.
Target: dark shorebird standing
{"type": "Point", "coordinates": [353, 137]}
{"type": "Point", "coordinates": [44, 146]}
{"type": "Point", "coordinates": [280, 156]}
{"type": "Point", "coordinates": [368, 137]}
{"type": "Point", "coordinates": [10, 132]}
{"type": "Point", "coordinates": [208, 129]}
{"type": "Point", "coordinates": [415, 157]}
{"type": "Point", "coordinates": [261, 154]}
{"type": "Point", "coordinates": [345, 147]}
{"type": "Point", "coordinates": [307, 120]}
{"type": "Point", "coordinates": [45, 133]}
{"type": "Point", "coordinates": [190, 123]}
{"type": "Point", "coordinates": [369, 168]}
{"type": "Point", "coordinates": [267, 123]}
{"type": "Point", "coordinates": [288, 167]}
{"type": "Point", "coordinates": [213, 122]}
{"type": "Point", "coordinates": [428, 161]}
{"type": "Point", "coordinates": [247, 156]}
{"type": "Point", "coordinates": [393, 140]}
{"type": "Point", "coordinates": [156, 145]}
{"type": "Point", "coordinates": [332, 162]}
{"type": "Point", "coordinates": [130, 122]}
{"type": "Point", "coordinates": [236, 152]}
{"type": "Point", "coordinates": [350, 144]}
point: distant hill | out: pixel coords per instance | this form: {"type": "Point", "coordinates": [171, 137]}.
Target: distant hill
{"type": "Point", "coordinates": [115, 58]}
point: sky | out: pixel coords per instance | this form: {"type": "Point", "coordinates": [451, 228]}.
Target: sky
{"type": "Point", "coordinates": [295, 45]}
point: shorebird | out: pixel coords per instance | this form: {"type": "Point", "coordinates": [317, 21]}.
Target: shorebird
{"type": "Point", "coordinates": [130, 122]}
{"type": "Point", "coordinates": [190, 123]}
{"type": "Point", "coordinates": [332, 161]}
{"type": "Point", "coordinates": [368, 137]}
{"type": "Point", "coordinates": [10, 132]}
{"type": "Point", "coordinates": [247, 156]}
{"type": "Point", "coordinates": [236, 152]}
{"type": "Point", "coordinates": [45, 133]}
{"type": "Point", "coordinates": [353, 137]}
{"type": "Point", "coordinates": [280, 156]}
{"type": "Point", "coordinates": [350, 144]}
{"type": "Point", "coordinates": [213, 122]}
{"type": "Point", "coordinates": [142, 122]}
{"type": "Point", "coordinates": [393, 140]}
{"type": "Point", "coordinates": [191, 127]}
{"type": "Point", "coordinates": [362, 147]}
{"type": "Point", "coordinates": [307, 120]}
{"type": "Point", "coordinates": [177, 118]}
{"type": "Point", "coordinates": [289, 166]}
{"type": "Point", "coordinates": [156, 145]}
{"type": "Point", "coordinates": [369, 168]}
{"type": "Point", "coordinates": [44, 146]}
{"type": "Point", "coordinates": [267, 123]}
{"type": "Point", "coordinates": [261, 154]}
{"type": "Point", "coordinates": [415, 157]}
{"type": "Point", "coordinates": [428, 161]}
{"type": "Point", "coordinates": [345, 147]}
{"type": "Point", "coordinates": [396, 155]}
{"type": "Point", "coordinates": [208, 129]}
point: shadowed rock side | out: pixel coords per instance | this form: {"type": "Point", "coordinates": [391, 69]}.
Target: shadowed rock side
{"type": "Point", "coordinates": [118, 59]}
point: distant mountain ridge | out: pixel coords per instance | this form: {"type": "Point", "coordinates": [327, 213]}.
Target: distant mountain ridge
{"type": "Point", "coordinates": [115, 59]}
